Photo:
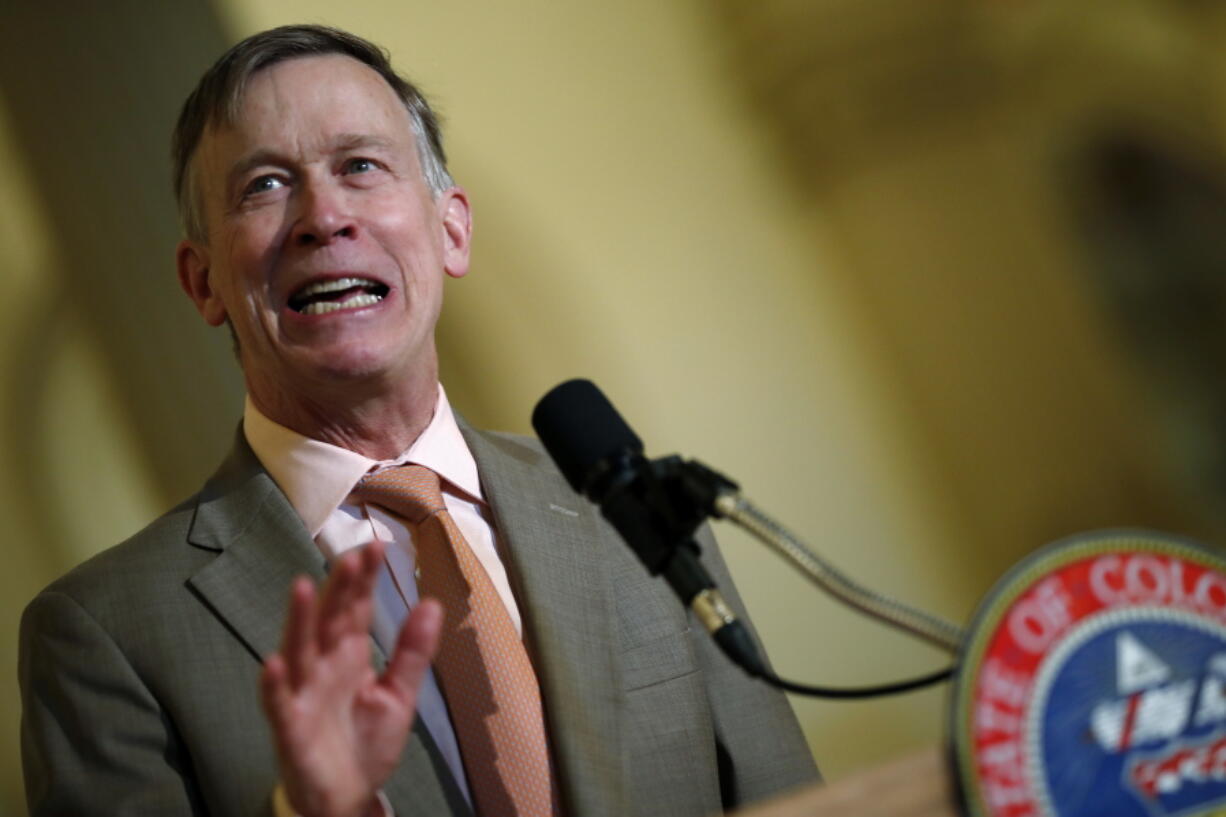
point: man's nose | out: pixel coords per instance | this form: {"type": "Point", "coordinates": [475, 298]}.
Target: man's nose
{"type": "Point", "coordinates": [323, 215]}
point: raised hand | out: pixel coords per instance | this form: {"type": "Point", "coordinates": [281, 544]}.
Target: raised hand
{"type": "Point", "coordinates": [339, 728]}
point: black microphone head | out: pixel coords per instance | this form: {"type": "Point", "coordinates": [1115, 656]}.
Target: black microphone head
{"type": "Point", "coordinates": [582, 431]}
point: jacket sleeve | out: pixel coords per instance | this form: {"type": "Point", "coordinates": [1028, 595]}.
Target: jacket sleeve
{"type": "Point", "coordinates": [94, 740]}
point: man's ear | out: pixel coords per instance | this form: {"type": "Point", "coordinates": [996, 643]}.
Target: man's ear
{"type": "Point", "coordinates": [192, 261]}
{"type": "Point", "coordinates": [457, 231]}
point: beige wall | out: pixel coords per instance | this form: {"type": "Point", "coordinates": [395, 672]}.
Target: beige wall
{"type": "Point", "coordinates": [638, 224]}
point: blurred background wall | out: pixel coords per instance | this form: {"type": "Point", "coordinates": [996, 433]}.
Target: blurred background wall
{"type": "Point", "coordinates": [938, 283]}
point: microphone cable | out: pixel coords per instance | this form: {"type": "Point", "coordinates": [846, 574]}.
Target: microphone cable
{"type": "Point", "coordinates": [852, 693]}
{"type": "Point", "coordinates": [734, 639]}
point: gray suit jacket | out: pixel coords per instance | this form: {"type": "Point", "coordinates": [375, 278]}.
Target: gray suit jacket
{"type": "Point", "coordinates": [139, 668]}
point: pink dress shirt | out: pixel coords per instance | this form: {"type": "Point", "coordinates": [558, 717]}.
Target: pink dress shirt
{"type": "Point", "coordinates": [318, 478]}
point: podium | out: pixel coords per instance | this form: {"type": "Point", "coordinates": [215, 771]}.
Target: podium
{"type": "Point", "coordinates": [917, 785]}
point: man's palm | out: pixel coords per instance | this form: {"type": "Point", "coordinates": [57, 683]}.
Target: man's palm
{"type": "Point", "coordinates": [339, 728]}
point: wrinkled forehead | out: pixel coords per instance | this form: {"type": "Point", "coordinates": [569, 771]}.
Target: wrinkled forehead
{"type": "Point", "coordinates": [307, 68]}
{"type": "Point", "coordinates": [301, 108]}
{"type": "Point", "coordinates": [311, 96]}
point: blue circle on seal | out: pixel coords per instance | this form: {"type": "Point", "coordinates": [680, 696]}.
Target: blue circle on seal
{"type": "Point", "coordinates": [1129, 717]}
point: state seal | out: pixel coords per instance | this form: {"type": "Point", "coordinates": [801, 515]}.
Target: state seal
{"type": "Point", "coordinates": [1094, 683]}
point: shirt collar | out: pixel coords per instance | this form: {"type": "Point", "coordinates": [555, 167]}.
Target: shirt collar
{"type": "Point", "coordinates": [317, 477]}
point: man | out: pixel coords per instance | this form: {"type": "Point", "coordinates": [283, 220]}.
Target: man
{"type": "Point", "coordinates": [321, 223]}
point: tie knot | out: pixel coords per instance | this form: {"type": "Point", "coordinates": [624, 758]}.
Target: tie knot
{"type": "Point", "coordinates": [412, 491]}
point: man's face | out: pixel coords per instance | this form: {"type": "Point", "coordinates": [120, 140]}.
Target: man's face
{"type": "Point", "coordinates": [325, 249]}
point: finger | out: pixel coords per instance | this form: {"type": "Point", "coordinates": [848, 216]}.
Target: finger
{"type": "Point", "coordinates": [298, 645]}
{"type": "Point", "coordinates": [350, 607]}
{"type": "Point", "coordinates": [338, 595]}
{"type": "Point", "coordinates": [275, 692]}
{"type": "Point", "coordinates": [361, 606]}
{"type": "Point", "coordinates": [372, 561]}
{"type": "Point", "coordinates": [415, 649]}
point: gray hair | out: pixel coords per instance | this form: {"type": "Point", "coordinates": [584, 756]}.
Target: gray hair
{"type": "Point", "coordinates": [219, 95]}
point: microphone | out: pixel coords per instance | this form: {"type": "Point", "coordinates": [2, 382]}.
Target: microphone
{"type": "Point", "coordinates": [656, 506]}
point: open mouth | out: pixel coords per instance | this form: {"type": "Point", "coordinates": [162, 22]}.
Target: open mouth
{"type": "Point", "coordinates": [339, 293]}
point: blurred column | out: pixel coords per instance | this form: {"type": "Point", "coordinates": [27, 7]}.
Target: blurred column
{"type": "Point", "coordinates": [93, 91]}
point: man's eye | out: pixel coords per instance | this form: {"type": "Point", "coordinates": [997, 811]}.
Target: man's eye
{"type": "Point", "coordinates": [263, 184]}
{"type": "Point", "coordinates": [359, 166]}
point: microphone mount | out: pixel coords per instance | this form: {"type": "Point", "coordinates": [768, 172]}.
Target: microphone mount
{"type": "Point", "coordinates": [683, 493]}
{"type": "Point", "coordinates": [658, 506]}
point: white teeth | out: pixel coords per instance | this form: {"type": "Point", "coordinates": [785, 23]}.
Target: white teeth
{"type": "Point", "coordinates": [356, 302]}
{"type": "Point", "coordinates": [335, 285]}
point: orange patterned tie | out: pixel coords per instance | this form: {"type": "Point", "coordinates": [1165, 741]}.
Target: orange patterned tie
{"type": "Point", "coordinates": [482, 667]}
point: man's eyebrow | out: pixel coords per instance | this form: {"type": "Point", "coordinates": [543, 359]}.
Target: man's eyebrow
{"type": "Point", "coordinates": [357, 141]}
{"type": "Point", "coordinates": [342, 143]}
{"type": "Point", "coordinates": [244, 165]}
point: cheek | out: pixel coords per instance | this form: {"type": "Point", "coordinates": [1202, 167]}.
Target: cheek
{"type": "Point", "coordinates": [250, 254]}
{"type": "Point", "coordinates": [404, 220]}
{"type": "Point", "coordinates": [416, 258]}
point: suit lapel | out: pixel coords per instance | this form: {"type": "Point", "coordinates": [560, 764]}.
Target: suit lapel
{"type": "Point", "coordinates": [550, 542]}
{"type": "Point", "coordinates": [261, 546]}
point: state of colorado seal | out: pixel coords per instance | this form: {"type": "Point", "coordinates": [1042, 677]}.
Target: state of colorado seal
{"type": "Point", "coordinates": [1094, 683]}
